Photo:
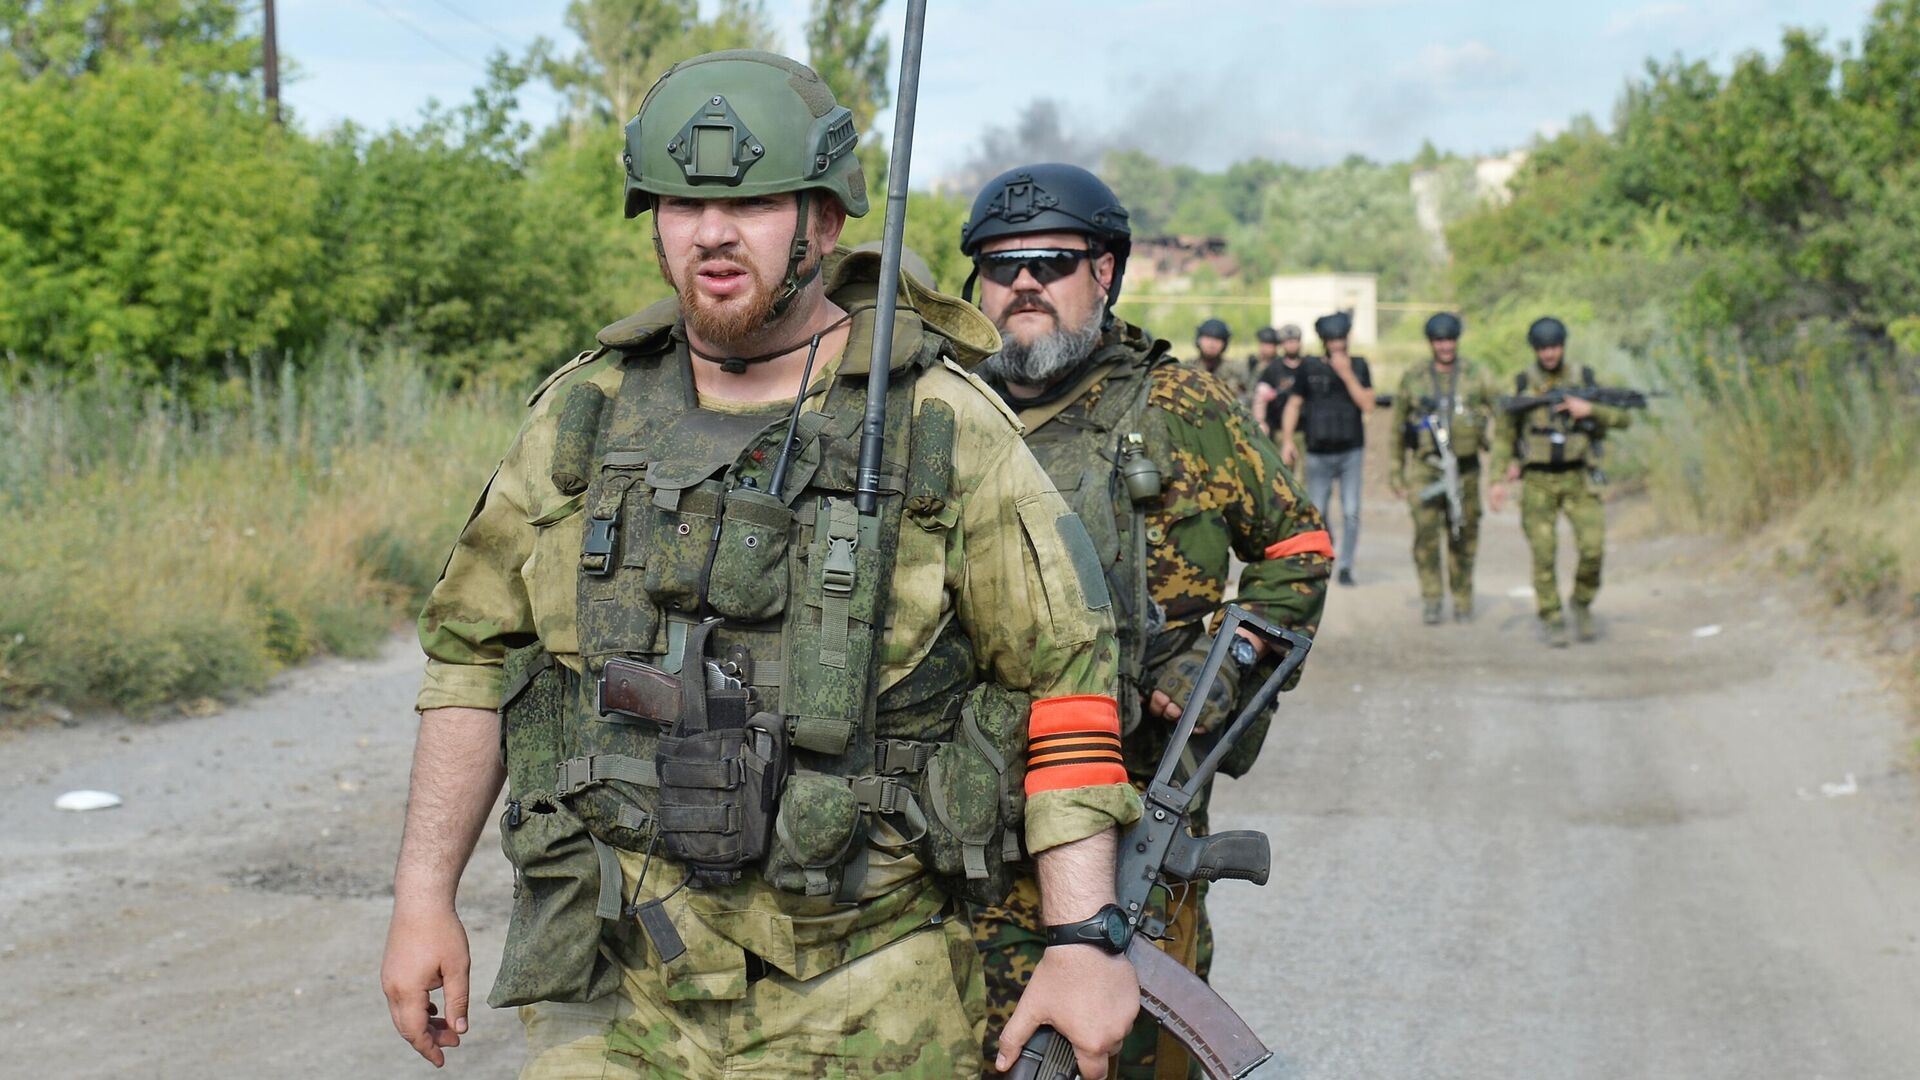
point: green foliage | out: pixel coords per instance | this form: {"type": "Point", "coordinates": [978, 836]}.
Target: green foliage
{"type": "Point", "coordinates": [626, 45]}
{"type": "Point", "coordinates": [846, 46]}
{"type": "Point", "coordinates": [201, 38]}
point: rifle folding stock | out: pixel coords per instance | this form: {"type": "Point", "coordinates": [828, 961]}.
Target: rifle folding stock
{"type": "Point", "coordinates": [1159, 849]}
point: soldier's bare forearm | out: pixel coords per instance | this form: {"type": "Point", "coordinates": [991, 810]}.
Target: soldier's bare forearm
{"type": "Point", "coordinates": [1076, 879]}
{"type": "Point", "coordinates": [456, 775]}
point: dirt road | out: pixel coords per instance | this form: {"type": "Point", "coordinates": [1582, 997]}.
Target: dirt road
{"type": "Point", "coordinates": [1661, 855]}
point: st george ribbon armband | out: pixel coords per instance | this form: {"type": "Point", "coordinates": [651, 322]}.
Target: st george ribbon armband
{"type": "Point", "coordinates": [1074, 742]}
{"type": "Point", "coordinates": [1317, 542]}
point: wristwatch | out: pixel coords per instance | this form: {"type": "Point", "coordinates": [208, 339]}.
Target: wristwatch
{"type": "Point", "coordinates": [1108, 929]}
{"type": "Point", "coordinates": [1242, 653]}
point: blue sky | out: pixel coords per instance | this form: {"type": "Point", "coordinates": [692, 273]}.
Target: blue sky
{"type": "Point", "coordinates": [1207, 81]}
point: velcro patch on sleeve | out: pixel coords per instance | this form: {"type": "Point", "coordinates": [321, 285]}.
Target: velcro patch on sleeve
{"type": "Point", "coordinates": [1074, 742]}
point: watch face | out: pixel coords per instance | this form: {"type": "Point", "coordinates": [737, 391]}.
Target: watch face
{"type": "Point", "coordinates": [1116, 928]}
{"type": "Point", "coordinates": [1242, 652]}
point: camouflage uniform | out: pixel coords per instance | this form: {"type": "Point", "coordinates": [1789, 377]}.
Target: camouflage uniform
{"type": "Point", "coordinates": [773, 982]}
{"type": "Point", "coordinates": [1558, 457]}
{"type": "Point", "coordinates": [1465, 402]}
{"type": "Point", "coordinates": [1224, 493]}
{"type": "Point", "coordinates": [1233, 374]}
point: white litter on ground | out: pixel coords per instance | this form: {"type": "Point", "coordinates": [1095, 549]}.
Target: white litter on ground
{"type": "Point", "coordinates": [1523, 592]}
{"type": "Point", "coordinates": [87, 800]}
{"type": "Point", "coordinates": [1707, 631]}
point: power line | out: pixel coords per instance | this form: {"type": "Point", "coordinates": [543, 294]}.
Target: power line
{"type": "Point", "coordinates": [421, 31]}
{"type": "Point", "coordinates": [462, 15]}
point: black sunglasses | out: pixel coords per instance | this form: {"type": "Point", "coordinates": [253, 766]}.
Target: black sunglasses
{"type": "Point", "coordinates": [1047, 265]}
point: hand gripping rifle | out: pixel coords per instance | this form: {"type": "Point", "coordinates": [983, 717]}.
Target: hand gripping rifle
{"type": "Point", "coordinates": [1158, 850]}
{"type": "Point", "coordinates": [1617, 397]}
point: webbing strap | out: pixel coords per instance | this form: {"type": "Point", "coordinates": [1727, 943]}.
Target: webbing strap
{"type": "Point", "coordinates": [609, 906]}
{"type": "Point", "coordinates": [887, 795]}
{"type": "Point", "coordinates": [632, 817]}
{"type": "Point", "coordinates": [577, 773]}
{"type": "Point", "coordinates": [717, 775]}
{"type": "Point", "coordinates": [836, 581]}
{"type": "Point", "coordinates": [724, 820]}
{"type": "Point", "coordinates": [821, 735]}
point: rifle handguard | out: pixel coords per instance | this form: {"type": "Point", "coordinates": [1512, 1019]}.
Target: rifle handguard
{"type": "Point", "coordinates": [1236, 855]}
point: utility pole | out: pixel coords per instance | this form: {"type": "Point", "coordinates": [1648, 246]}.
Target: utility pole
{"type": "Point", "coordinates": [271, 59]}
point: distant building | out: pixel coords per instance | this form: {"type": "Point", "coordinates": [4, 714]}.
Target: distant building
{"type": "Point", "coordinates": [1302, 298]}
{"type": "Point", "coordinates": [1172, 260]}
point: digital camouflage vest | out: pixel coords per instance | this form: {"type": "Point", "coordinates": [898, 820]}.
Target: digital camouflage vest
{"type": "Point", "coordinates": [728, 716]}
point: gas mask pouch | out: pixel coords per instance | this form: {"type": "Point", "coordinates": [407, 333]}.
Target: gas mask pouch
{"type": "Point", "coordinates": [749, 578]}
{"type": "Point", "coordinates": [561, 880]}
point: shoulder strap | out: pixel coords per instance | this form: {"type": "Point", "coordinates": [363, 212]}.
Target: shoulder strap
{"type": "Point", "coordinates": [1586, 376]}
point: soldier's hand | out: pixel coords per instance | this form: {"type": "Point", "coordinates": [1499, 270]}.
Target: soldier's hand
{"type": "Point", "coordinates": [1287, 455]}
{"type": "Point", "coordinates": [1087, 995]}
{"type": "Point", "coordinates": [1513, 472]}
{"type": "Point", "coordinates": [1496, 496]}
{"type": "Point", "coordinates": [1578, 408]}
{"type": "Point", "coordinates": [426, 951]}
{"type": "Point", "coordinates": [1175, 686]}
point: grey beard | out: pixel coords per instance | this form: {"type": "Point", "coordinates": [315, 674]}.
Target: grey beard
{"type": "Point", "coordinates": [1040, 363]}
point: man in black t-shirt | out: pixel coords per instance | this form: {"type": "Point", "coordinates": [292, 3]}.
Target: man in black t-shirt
{"type": "Point", "coordinates": [1334, 395]}
{"type": "Point", "coordinates": [1280, 362]}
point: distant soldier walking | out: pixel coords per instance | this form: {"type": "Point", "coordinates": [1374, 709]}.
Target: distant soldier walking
{"type": "Point", "coordinates": [1555, 450]}
{"type": "Point", "coordinates": [1270, 394]}
{"type": "Point", "coordinates": [1210, 355]}
{"type": "Point", "coordinates": [1443, 412]}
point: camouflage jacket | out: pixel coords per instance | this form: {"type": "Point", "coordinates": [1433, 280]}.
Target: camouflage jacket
{"type": "Point", "coordinates": [1232, 373]}
{"type": "Point", "coordinates": [999, 566]}
{"type": "Point", "coordinates": [1541, 436]}
{"type": "Point", "coordinates": [1464, 400]}
{"type": "Point", "coordinates": [1224, 493]}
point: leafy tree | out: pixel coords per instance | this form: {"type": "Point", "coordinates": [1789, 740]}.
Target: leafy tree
{"type": "Point", "coordinates": [74, 37]}
{"type": "Point", "coordinates": [626, 45]}
{"type": "Point", "coordinates": [847, 48]}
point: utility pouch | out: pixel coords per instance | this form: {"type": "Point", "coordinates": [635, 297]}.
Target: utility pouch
{"type": "Point", "coordinates": [975, 796]}
{"type": "Point", "coordinates": [718, 791]}
{"type": "Point", "coordinates": [749, 578]}
{"type": "Point", "coordinates": [815, 832]}
{"type": "Point", "coordinates": [565, 884]}
{"type": "Point", "coordinates": [681, 521]}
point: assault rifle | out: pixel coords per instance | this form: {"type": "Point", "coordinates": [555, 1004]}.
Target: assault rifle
{"type": "Point", "coordinates": [1618, 397]}
{"type": "Point", "coordinates": [1160, 851]}
{"type": "Point", "coordinates": [1449, 483]}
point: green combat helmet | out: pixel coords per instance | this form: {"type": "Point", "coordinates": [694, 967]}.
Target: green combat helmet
{"type": "Point", "coordinates": [743, 123]}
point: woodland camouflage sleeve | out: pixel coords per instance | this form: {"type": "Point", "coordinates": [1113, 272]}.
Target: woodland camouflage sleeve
{"type": "Point", "coordinates": [1270, 524]}
{"type": "Point", "coordinates": [479, 609]}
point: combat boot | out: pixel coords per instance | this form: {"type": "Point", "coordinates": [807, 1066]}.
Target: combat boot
{"type": "Point", "coordinates": [1463, 609]}
{"type": "Point", "coordinates": [1583, 627]}
{"type": "Point", "coordinates": [1556, 626]}
{"type": "Point", "coordinates": [1430, 614]}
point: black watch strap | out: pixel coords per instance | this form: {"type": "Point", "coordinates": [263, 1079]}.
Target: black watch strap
{"type": "Point", "coordinates": [1107, 929]}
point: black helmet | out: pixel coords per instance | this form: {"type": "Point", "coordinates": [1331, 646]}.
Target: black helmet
{"type": "Point", "coordinates": [1337, 325]}
{"type": "Point", "coordinates": [1214, 328]}
{"type": "Point", "coordinates": [1546, 333]}
{"type": "Point", "coordinates": [1049, 198]}
{"type": "Point", "coordinates": [1267, 335]}
{"type": "Point", "coordinates": [1444, 326]}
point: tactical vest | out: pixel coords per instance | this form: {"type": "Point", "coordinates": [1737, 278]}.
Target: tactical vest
{"type": "Point", "coordinates": [1548, 439]}
{"type": "Point", "coordinates": [1443, 400]}
{"type": "Point", "coordinates": [727, 717]}
{"type": "Point", "coordinates": [1098, 458]}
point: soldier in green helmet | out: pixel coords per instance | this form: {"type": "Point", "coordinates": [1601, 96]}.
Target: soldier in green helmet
{"type": "Point", "coordinates": [759, 747]}
{"type": "Point", "coordinates": [1443, 409]}
{"type": "Point", "coordinates": [1554, 450]}
{"type": "Point", "coordinates": [1171, 477]}
{"type": "Point", "coordinates": [1210, 341]}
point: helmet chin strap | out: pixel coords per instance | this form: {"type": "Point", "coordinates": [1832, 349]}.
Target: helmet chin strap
{"type": "Point", "coordinates": [794, 281]}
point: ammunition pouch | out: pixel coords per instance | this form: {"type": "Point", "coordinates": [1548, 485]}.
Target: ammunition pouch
{"type": "Point", "coordinates": [974, 789]}
{"type": "Point", "coordinates": [748, 581]}
{"type": "Point", "coordinates": [566, 891]}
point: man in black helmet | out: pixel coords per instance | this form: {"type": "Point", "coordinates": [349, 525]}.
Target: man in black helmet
{"type": "Point", "coordinates": [1270, 394]}
{"type": "Point", "coordinates": [1443, 407]}
{"type": "Point", "coordinates": [1210, 343]}
{"type": "Point", "coordinates": [1334, 395]}
{"type": "Point", "coordinates": [1555, 452]}
{"type": "Point", "coordinates": [1170, 477]}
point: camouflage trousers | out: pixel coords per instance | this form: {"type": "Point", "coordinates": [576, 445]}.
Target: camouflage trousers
{"type": "Point", "coordinates": [1544, 496]}
{"type": "Point", "coordinates": [911, 1010]}
{"type": "Point", "coordinates": [1431, 533]}
{"type": "Point", "coordinates": [1012, 936]}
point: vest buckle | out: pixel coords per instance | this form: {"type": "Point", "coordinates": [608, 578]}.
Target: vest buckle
{"type": "Point", "coordinates": [596, 554]}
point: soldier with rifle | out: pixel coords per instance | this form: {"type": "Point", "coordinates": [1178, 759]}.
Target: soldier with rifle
{"type": "Point", "coordinates": [1171, 479]}
{"type": "Point", "coordinates": [1551, 435]}
{"type": "Point", "coordinates": [1443, 412]}
{"type": "Point", "coordinates": [761, 704]}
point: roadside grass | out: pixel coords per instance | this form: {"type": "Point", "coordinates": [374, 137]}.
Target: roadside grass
{"type": "Point", "coordinates": [157, 549]}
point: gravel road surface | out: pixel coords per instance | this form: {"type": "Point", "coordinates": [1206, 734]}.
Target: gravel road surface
{"type": "Point", "coordinates": [1660, 855]}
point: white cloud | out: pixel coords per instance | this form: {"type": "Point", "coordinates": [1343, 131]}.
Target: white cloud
{"type": "Point", "coordinates": [1646, 17]}
{"type": "Point", "coordinates": [1470, 63]}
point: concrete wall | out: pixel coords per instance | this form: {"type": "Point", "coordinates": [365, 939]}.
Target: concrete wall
{"type": "Point", "coordinates": [1302, 298]}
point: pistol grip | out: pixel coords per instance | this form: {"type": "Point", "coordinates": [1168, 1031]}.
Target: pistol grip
{"type": "Point", "coordinates": [1238, 855]}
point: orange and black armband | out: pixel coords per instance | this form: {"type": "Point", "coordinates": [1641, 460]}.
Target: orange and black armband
{"type": "Point", "coordinates": [1074, 742]}
{"type": "Point", "coordinates": [1317, 542]}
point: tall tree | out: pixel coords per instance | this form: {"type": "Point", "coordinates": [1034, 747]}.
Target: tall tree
{"type": "Point", "coordinates": [845, 45]}
{"type": "Point", "coordinates": [626, 45]}
{"type": "Point", "coordinates": [72, 37]}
